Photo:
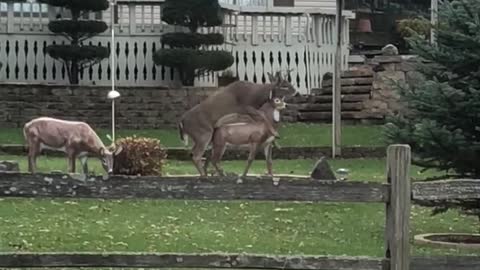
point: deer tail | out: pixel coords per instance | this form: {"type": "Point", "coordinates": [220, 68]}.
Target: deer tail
{"type": "Point", "coordinates": [183, 136]}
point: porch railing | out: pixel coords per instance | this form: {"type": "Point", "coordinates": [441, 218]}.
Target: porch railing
{"type": "Point", "coordinates": [259, 42]}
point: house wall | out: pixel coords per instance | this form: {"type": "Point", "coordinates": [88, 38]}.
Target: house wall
{"type": "Point", "coordinates": [324, 4]}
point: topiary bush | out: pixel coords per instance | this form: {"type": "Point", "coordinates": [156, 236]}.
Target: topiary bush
{"type": "Point", "coordinates": [75, 55]}
{"type": "Point", "coordinates": [187, 52]}
{"type": "Point", "coordinates": [140, 156]}
{"type": "Point", "coordinates": [414, 27]}
{"type": "Point", "coordinates": [192, 40]}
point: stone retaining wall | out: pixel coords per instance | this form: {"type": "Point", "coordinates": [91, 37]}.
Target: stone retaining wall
{"type": "Point", "coordinates": [367, 96]}
{"type": "Point", "coordinates": [137, 107]}
{"type": "Point", "coordinates": [368, 93]}
{"type": "Point", "coordinates": [291, 153]}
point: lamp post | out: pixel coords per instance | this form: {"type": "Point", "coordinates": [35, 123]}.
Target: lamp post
{"type": "Point", "coordinates": [113, 94]}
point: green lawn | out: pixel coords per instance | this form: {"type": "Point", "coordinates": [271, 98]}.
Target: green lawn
{"type": "Point", "coordinates": [297, 134]}
{"type": "Point", "coordinates": [196, 226]}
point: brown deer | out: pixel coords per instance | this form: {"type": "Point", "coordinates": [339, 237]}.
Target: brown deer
{"type": "Point", "coordinates": [76, 139]}
{"type": "Point", "coordinates": [238, 98]}
{"type": "Point", "coordinates": [253, 134]}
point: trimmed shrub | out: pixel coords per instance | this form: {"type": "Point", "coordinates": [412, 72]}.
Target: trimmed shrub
{"type": "Point", "coordinates": [76, 53]}
{"type": "Point", "coordinates": [81, 5]}
{"type": "Point", "coordinates": [140, 156]}
{"type": "Point", "coordinates": [196, 61]}
{"type": "Point", "coordinates": [192, 13]}
{"type": "Point", "coordinates": [70, 27]}
{"type": "Point", "coordinates": [192, 40]}
{"type": "Point", "coordinates": [77, 56]}
{"type": "Point", "coordinates": [188, 54]}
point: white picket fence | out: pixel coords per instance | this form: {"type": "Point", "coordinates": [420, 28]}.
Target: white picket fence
{"type": "Point", "coordinates": [260, 43]}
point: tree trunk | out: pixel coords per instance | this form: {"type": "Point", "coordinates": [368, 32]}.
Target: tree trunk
{"type": "Point", "coordinates": [187, 77]}
{"type": "Point", "coordinates": [74, 72]}
{"type": "Point", "coordinates": [74, 68]}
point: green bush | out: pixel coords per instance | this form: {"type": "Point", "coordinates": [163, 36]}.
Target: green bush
{"type": "Point", "coordinates": [70, 53]}
{"type": "Point", "coordinates": [77, 56]}
{"type": "Point", "coordinates": [188, 54]}
{"type": "Point", "coordinates": [416, 26]}
{"type": "Point", "coordinates": [441, 114]}
{"type": "Point", "coordinates": [192, 40]}
{"type": "Point", "coordinates": [200, 60]}
{"type": "Point", "coordinates": [70, 27]}
{"type": "Point", "coordinates": [192, 13]}
{"type": "Point", "coordinates": [442, 111]}
{"type": "Point", "coordinates": [140, 156]}
{"type": "Point", "coordinates": [214, 60]}
{"type": "Point", "coordinates": [79, 5]}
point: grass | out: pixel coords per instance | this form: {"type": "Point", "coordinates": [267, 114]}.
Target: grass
{"type": "Point", "coordinates": [200, 226]}
{"type": "Point", "coordinates": [297, 134]}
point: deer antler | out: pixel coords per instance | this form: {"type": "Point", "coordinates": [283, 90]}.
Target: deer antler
{"type": "Point", "coordinates": [288, 71]}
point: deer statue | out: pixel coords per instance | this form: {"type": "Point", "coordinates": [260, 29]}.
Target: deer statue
{"type": "Point", "coordinates": [76, 139]}
{"type": "Point", "coordinates": [238, 98]}
{"type": "Point", "coordinates": [253, 133]}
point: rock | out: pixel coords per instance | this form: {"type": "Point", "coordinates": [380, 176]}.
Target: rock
{"type": "Point", "coordinates": [390, 49]}
{"type": "Point", "coordinates": [322, 171]}
{"type": "Point", "coordinates": [9, 166]}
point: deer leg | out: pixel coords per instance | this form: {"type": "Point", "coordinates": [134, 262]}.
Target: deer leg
{"type": "Point", "coordinates": [251, 157]}
{"type": "Point", "coordinates": [268, 158]}
{"type": "Point", "coordinates": [83, 161]}
{"type": "Point", "coordinates": [71, 162]}
{"type": "Point", "coordinates": [217, 154]}
{"type": "Point", "coordinates": [207, 160]}
{"type": "Point", "coordinates": [205, 165]}
{"type": "Point", "coordinates": [198, 150]}
{"type": "Point", "coordinates": [33, 151]}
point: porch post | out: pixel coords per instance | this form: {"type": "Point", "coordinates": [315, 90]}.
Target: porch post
{"type": "Point", "coordinates": [337, 84]}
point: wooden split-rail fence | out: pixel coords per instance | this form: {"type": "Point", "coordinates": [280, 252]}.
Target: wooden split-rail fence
{"type": "Point", "coordinates": [397, 194]}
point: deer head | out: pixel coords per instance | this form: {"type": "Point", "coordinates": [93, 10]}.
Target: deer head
{"type": "Point", "coordinates": [107, 155]}
{"type": "Point", "coordinates": [281, 86]}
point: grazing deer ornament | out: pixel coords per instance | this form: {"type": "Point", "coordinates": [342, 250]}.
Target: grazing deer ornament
{"type": "Point", "coordinates": [238, 98]}
{"type": "Point", "coordinates": [76, 139]}
{"type": "Point", "coordinates": [254, 134]}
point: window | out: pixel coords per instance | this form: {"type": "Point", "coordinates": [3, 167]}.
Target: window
{"type": "Point", "coordinates": [28, 7]}
{"type": "Point", "coordinates": [283, 3]}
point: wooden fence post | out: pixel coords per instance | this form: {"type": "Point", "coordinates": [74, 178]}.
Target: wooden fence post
{"type": "Point", "coordinates": [398, 208]}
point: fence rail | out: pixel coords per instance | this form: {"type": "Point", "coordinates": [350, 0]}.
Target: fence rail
{"type": "Point", "coordinates": [396, 194]}
{"type": "Point", "coordinates": [188, 188]}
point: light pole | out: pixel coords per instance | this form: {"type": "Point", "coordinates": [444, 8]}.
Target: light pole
{"type": "Point", "coordinates": [113, 94]}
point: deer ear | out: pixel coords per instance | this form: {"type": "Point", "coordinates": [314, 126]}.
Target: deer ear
{"type": "Point", "coordinates": [118, 150]}
{"type": "Point", "coordinates": [270, 77]}
{"type": "Point", "coordinates": [102, 151]}
{"type": "Point", "coordinates": [270, 95]}
{"type": "Point", "coordinates": [278, 77]}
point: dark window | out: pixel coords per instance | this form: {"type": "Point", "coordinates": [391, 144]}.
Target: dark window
{"type": "Point", "coordinates": [283, 3]}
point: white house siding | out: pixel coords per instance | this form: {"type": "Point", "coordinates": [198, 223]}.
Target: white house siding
{"type": "Point", "coordinates": [324, 4]}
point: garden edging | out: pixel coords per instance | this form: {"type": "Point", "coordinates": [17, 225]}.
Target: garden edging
{"type": "Point", "coordinates": [307, 152]}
